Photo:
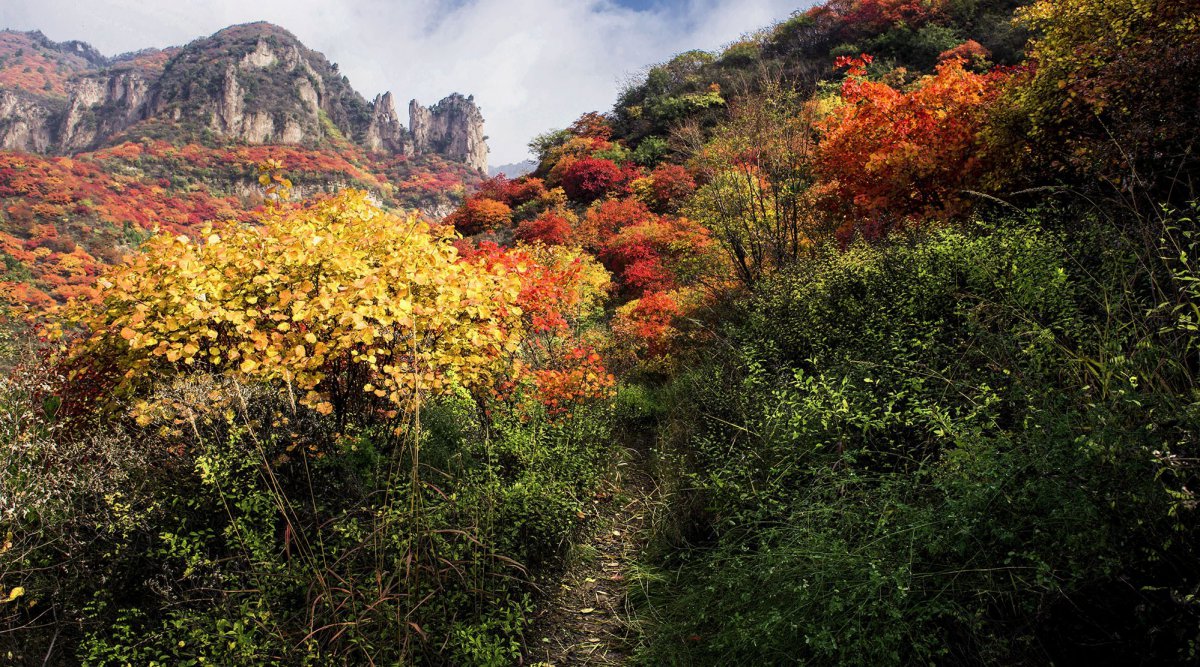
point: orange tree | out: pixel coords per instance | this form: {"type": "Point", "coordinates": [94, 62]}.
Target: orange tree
{"type": "Point", "coordinates": [337, 302]}
{"type": "Point", "coordinates": [903, 155]}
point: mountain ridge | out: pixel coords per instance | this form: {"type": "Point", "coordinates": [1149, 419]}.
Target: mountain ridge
{"type": "Point", "coordinates": [253, 83]}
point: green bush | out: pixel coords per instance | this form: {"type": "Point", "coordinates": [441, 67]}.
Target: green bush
{"type": "Point", "coordinates": [650, 151]}
{"type": "Point", "coordinates": [252, 534]}
{"type": "Point", "coordinates": [942, 450]}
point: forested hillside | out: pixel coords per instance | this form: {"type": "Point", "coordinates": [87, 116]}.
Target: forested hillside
{"type": "Point", "coordinates": [870, 339]}
{"type": "Point", "coordinates": [101, 152]}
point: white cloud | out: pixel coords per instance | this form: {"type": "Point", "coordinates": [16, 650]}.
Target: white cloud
{"type": "Point", "coordinates": [532, 65]}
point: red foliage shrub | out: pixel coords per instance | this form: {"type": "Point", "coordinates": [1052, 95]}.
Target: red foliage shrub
{"type": "Point", "coordinates": [649, 256]}
{"type": "Point", "coordinates": [497, 188]}
{"type": "Point", "coordinates": [550, 228]}
{"type": "Point", "coordinates": [551, 292]}
{"type": "Point", "coordinates": [591, 125]}
{"type": "Point", "coordinates": [858, 18]}
{"type": "Point", "coordinates": [648, 322]}
{"type": "Point", "coordinates": [647, 275]}
{"type": "Point", "coordinates": [906, 155]}
{"type": "Point", "coordinates": [526, 189]}
{"type": "Point", "coordinates": [606, 218]}
{"type": "Point", "coordinates": [974, 53]}
{"type": "Point", "coordinates": [589, 179]}
{"type": "Point", "coordinates": [670, 184]}
{"type": "Point", "coordinates": [480, 214]}
{"type": "Point", "coordinates": [580, 378]}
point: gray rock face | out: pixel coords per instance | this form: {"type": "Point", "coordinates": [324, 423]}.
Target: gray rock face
{"type": "Point", "coordinates": [100, 106]}
{"type": "Point", "coordinates": [26, 123]}
{"type": "Point", "coordinates": [253, 83]}
{"type": "Point", "coordinates": [386, 133]}
{"type": "Point", "coordinates": [452, 128]}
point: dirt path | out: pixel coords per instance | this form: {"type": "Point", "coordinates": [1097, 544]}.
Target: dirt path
{"type": "Point", "coordinates": [583, 621]}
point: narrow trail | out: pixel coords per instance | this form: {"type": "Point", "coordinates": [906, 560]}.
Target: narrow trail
{"type": "Point", "coordinates": [584, 620]}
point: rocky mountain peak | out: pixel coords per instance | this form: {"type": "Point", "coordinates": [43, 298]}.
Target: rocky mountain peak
{"type": "Point", "coordinates": [453, 127]}
{"type": "Point", "coordinates": [386, 133]}
{"type": "Point", "coordinates": [254, 83]}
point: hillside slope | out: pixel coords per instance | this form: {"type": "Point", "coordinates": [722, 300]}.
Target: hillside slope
{"type": "Point", "coordinates": [99, 151]}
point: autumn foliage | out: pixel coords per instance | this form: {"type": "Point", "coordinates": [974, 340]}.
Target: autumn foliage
{"type": "Point", "coordinates": [589, 179]}
{"type": "Point", "coordinates": [551, 228]}
{"type": "Point", "coordinates": [1112, 92]}
{"type": "Point", "coordinates": [480, 214]}
{"type": "Point", "coordinates": [780, 267]}
{"type": "Point", "coordinates": [907, 155]}
{"type": "Point", "coordinates": [579, 378]}
{"type": "Point", "coordinates": [336, 301]}
{"type": "Point", "coordinates": [858, 17]}
{"type": "Point", "coordinates": [64, 219]}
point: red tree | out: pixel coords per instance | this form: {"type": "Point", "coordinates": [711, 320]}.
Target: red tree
{"type": "Point", "coordinates": [550, 228]}
{"type": "Point", "coordinates": [589, 179]}
{"type": "Point", "coordinates": [896, 155]}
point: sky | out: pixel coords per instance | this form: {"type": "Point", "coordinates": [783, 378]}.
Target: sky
{"type": "Point", "coordinates": [532, 65]}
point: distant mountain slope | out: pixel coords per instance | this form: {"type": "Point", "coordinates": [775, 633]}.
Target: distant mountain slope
{"type": "Point", "coordinates": [253, 83]}
{"type": "Point", "coordinates": [96, 152]}
{"type": "Point", "coordinates": [514, 169]}
{"type": "Point", "coordinates": [29, 61]}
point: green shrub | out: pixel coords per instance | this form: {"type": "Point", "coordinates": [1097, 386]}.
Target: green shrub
{"type": "Point", "coordinates": [247, 533]}
{"type": "Point", "coordinates": [943, 450]}
{"type": "Point", "coordinates": [650, 151]}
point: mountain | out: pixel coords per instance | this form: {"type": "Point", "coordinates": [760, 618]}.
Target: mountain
{"type": "Point", "coordinates": [253, 83]}
{"type": "Point", "coordinates": [513, 169]}
{"type": "Point", "coordinates": [96, 152]}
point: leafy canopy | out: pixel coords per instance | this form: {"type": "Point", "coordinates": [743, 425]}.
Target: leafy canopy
{"type": "Point", "coordinates": [334, 298]}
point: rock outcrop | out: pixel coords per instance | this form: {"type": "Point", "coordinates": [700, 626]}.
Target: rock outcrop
{"type": "Point", "coordinates": [258, 84]}
{"type": "Point", "coordinates": [101, 106]}
{"type": "Point", "coordinates": [253, 83]}
{"type": "Point", "coordinates": [26, 122]}
{"type": "Point", "coordinates": [385, 132]}
{"type": "Point", "coordinates": [453, 128]}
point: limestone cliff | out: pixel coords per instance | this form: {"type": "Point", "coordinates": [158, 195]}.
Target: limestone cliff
{"type": "Point", "coordinates": [385, 133]}
{"type": "Point", "coordinates": [26, 122]}
{"type": "Point", "coordinates": [258, 84]}
{"type": "Point", "coordinates": [100, 106]}
{"type": "Point", "coordinates": [452, 127]}
{"type": "Point", "coordinates": [253, 83]}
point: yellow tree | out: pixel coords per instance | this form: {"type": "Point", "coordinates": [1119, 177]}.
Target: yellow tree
{"type": "Point", "coordinates": [758, 168]}
{"type": "Point", "coordinates": [1113, 93]}
{"type": "Point", "coordinates": [336, 302]}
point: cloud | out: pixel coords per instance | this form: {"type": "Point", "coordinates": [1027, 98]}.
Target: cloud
{"type": "Point", "coordinates": [532, 65]}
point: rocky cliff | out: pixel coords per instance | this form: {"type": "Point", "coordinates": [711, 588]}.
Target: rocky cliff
{"type": "Point", "coordinates": [452, 127]}
{"type": "Point", "coordinates": [100, 106]}
{"type": "Point", "coordinates": [26, 122]}
{"type": "Point", "coordinates": [253, 83]}
{"type": "Point", "coordinates": [385, 133]}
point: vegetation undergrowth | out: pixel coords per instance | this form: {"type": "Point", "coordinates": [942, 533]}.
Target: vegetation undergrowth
{"type": "Point", "coordinates": [963, 449]}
